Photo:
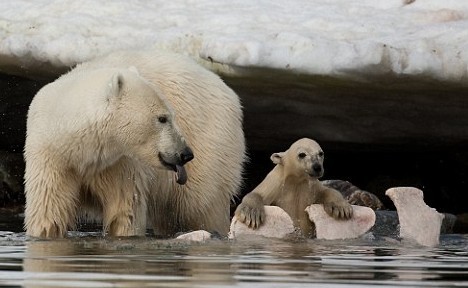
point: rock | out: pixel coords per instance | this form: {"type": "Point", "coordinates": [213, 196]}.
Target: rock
{"type": "Point", "coordinates": [277, 224]}
{"type": "Point", "coordinates": [354, 195]}
{"type": "Point", "coordinates": [386, 224]}
{"type": "Point", "coordinates": [11, 178]}
{"type": "Point", "coordinates": [16, 93]}
{"type": "Point", "coordinates": [448, 223]}
{"type": "Point", "coordinates": [461, 223]}
{"type": "Point", "coordinates": [195, 236]}
{"type": "Point", "coordinates": [418, 221]}
{"type": "Point", "coordinates": [329, 228]}
{"type": "Point", "coordinates": [357, 127]}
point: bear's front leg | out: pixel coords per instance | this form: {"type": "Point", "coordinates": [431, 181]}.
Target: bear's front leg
{"type": "Point", "coordinates": [334, 204]}
{"type": "Point", "coordinates": [51, 200]}
{"type": "Point", "coordinates": [130, 222]}
{"type": "Point", "coordinates": [124, 205]}
{"type": "Point", "coordinates": [120, 219]}
{"type": "Point", "coordinates": [251, 211]}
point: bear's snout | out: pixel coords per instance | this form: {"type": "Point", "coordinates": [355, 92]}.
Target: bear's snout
{"type": "Point", "coordinates": [186, 155]}
{"type": "Point", "coordinates": [171, 160]}
{"type": "Point", "coordinates": [176, 162]}
{"type": "Point", "coordinates": [317, 170]}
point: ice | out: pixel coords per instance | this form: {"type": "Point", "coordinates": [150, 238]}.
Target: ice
{"type": "Point", "coordinates": [195, 236]}
{"type": "Point", "coordinates": [277, 224]}
{"type": "Point", "coordinates": [418, 221]}
{"type": "Point", "coordinates": [336, 37]}
{"type": "Point", "coordinates": [331, 229]}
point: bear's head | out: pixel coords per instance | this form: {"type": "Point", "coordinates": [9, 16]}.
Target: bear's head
{"type": "Point", "coordinates": [304, 159]}
{"type": "Point", "coordinates": [143, 124]}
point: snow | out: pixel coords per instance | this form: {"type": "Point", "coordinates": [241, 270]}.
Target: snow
{"type": "Point", "coordinates": [317, 37]}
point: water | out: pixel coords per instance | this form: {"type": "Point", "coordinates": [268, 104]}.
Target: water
{"type": "Point", "coordinates": [89, 260]}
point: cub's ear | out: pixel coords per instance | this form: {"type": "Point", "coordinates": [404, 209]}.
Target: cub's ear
{"type": "Point", "coordinates": [114, 87]}
{"type": "Point", "coordinates": [277, 158]}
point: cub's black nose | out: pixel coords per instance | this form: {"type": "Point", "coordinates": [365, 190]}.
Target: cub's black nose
{"type": "Point", "coordinates": [186, 155]}
{"type": "Point", "coordinates": [317, 168]}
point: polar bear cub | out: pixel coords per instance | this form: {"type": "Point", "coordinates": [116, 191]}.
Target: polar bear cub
{"type": "Point", "coordinates": [293, 185]}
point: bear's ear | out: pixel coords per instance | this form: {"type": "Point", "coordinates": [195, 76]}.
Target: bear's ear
{"type": "Point", "coordinates": [115, 87]}
{"type": "Point", "coordinates": [277, 158]}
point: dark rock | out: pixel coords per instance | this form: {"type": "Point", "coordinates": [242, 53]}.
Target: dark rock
{"type": "Point", "coordinates": [397, 131]}
{"type": "Point", "coordinates": [461, 224]}
{"type": "Point", "coordinates": [354, 195]}
{"type": "Point", "coordinates": [11, 178]}
{"type": "Point", "coordinates": [387, 224]}
{"type": "Point", "coordinates": [384, 133]}
{"type": "Point", "coordinates": [16, 93]}
{"type": "Point", "coordinates": [392, 111]}
{"type": "Point", "coordinates": [448, 224]}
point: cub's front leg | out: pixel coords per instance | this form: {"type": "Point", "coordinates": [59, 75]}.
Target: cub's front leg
{"type": "Point", "coordinates": [251, 211]}
{"type": "Point", "coordinates": [334, 204]}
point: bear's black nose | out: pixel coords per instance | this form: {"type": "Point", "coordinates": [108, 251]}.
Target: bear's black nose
{"type": "Point", "coordinates": [317, 168]}
{"type": "Point", "coordinates": [186, 155]}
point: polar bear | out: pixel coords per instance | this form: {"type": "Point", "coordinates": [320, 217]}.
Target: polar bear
{"type": "Point", "coordinates": [175, 107]}
{"type": "Point", "coordinates": [293, 185]}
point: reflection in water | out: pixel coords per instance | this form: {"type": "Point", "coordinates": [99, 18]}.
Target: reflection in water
{"type": "Point", "coordinates": [92, 261]}
{"type": "Point", "coordinates": [130, 262]}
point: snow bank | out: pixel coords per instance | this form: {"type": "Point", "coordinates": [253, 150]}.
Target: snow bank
{"type": "Point", "coordinates": [323, 37]}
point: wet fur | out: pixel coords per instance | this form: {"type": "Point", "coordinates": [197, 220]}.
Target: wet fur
{"type": "Point", "coordinates": [209, 114]}
{"type": "Point", "coordinates": [293, 185]}
{"type": "Point", "coordinates": [123, 191]}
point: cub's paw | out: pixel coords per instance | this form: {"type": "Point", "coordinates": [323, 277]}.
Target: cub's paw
{"type": "Point", "coordinates": [339, 210]}
{"type": "Point", "coordinates": [253, 217]}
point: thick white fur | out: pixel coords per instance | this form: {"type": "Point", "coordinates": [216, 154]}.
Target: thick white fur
{"type": "Point", "coordinates": [208, 116]}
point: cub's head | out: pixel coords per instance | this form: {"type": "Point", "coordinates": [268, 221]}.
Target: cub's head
{"type": "Point", "coordinates": [304, 159]}
{"type": "Point", "coordinates": [143, 124]}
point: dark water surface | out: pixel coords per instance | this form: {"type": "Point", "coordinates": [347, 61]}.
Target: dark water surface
{"type": "Point", "coordinates": [89, 260]}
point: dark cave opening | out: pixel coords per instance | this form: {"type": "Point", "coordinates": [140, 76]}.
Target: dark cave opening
{"type": "Point", "coordinates": [440, 174]}
{"type": "Point", "coordinates": [440, 171]}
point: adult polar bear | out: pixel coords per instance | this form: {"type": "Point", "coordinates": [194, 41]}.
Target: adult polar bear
{"type": "Point", "coordinates": [209, 117]}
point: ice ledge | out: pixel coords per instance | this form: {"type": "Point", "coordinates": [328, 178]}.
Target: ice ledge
{"type": "Point", "coordinates": [336, 38]}
{"type": "Point", "coordinates": [373, 73]}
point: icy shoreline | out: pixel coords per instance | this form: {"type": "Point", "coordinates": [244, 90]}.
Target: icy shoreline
{"type": "Point", "coordinates": [339, 38]}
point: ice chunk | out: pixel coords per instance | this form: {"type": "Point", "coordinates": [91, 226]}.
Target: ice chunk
{"type": "Point", "coordinates": [277, 224]}
{"type": "Point", "coordinates": [196, 236]}
{"type": "Point", "coordinates": [329, 228]}
{"type": "Point", "coordinates": [418, 221]}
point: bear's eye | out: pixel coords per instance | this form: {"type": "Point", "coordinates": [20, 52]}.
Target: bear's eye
{"type": "Point", "coordinates": [321, 154]}
{"type": "Point", "coordinates": [301, 155]}
{"type": "Point", "coordinates": [162, 119]}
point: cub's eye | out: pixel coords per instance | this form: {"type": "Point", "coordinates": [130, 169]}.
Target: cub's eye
{"type": "Point", "coordinates": [301, 155]}
{"type": "Point", "coordinates": [321, 154]}
{"type": "Point", "coordinates": [162, 119]}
